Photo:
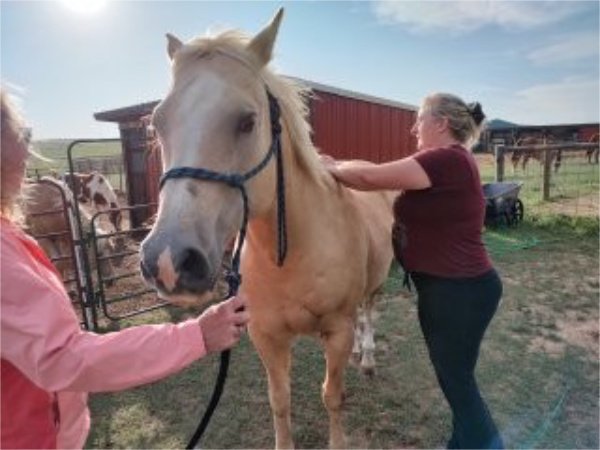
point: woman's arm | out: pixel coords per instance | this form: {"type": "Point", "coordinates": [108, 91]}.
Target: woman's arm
{"type": "Point", "coordinates": [42, 338]}
{"type": "Point", "coordinates": [403, 174]}
{"type": "Point", "coordinates": [41, 335]}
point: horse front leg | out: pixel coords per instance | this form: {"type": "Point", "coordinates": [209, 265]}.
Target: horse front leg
{"type": "Point", "coordinates": [337, 344]}
{"type": "Point", "coordinates": [275, 353]}
{"type": "Point", "coordinates": [524, 161]}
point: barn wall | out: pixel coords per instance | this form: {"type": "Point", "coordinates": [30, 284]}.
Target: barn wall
{"type": "Point", "coordinates": [349, 128]}
{"type": "Point", "coordinates": [587, 133]}
{"type": "Point", "coordinates": [143, 167]}
{"type": "Point", "coordinates": [343, 127]}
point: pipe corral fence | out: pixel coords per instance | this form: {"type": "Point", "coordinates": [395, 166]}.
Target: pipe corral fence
{"type": "Point", "coordinates": [570, 186]}
{"type": "Point", "coordinates": [96, 295]}
{"type": "Point", "coordinates": [558, 178]}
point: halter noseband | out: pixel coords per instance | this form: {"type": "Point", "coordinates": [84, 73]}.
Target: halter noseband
{"type": "Point", "coordinates": [237, 181]}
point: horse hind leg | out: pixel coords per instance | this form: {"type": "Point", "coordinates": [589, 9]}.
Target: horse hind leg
{"type": "Point", "coordinates": [358, 336]}
{"type": "Point", "coordinates": [338, 347]}
{"type": "Point", "coordinates": [367, 362]}
{"type": "Point", "coordinates": [524, 162]}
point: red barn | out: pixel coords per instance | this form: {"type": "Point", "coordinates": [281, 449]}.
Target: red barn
{"type": "Point", "coordinates": [346, 125]}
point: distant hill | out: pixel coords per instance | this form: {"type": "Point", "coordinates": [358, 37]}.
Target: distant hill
{"type": "Point", "coordinates": [497, 124]}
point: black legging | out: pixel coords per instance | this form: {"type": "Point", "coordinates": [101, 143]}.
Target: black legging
{"type": "Point", "coordinates": [454, 314]}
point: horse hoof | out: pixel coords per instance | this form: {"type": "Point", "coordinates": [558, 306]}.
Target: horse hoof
{"type": "Point", "coordinates": [369, 372]}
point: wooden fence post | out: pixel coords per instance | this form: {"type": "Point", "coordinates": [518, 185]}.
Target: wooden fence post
{"type": "Point", "coordinates": [547, 173]}
{"type": "Point", "coordinates": [499, 151]}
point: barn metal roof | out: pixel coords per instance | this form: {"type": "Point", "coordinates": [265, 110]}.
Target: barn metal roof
{"type": "Point", "coordinates": [126, 113]}
{"type": "Point", "coordinates": [355, 95]}
{"type": "Point", "coordinates": [135, 111]}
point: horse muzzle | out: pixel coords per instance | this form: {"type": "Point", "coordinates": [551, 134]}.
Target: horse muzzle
{"type": "Point", "coordinates": [177, 269]}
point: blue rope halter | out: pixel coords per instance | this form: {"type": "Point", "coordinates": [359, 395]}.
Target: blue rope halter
{"type": "Point", "coordinates": [233, 275]}
{"type": "Point", "coordinates": [237, 181]}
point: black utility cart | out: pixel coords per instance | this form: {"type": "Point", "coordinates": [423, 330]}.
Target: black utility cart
{"type": "Point", "coordinates": [502, 203]}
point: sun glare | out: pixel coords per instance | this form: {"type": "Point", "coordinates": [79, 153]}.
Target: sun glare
{"type": "Point", "coordinates": [84, 6]}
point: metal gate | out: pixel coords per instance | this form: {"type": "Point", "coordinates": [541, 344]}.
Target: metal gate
{"type": "Point", "coordinates": [110, 294]}
{"type": "Point", "coordinates": [110, 290]}
{"type": "Point", "coordinates": [76, 283]}
{"type": "Point", "coordinates": [117, 294]}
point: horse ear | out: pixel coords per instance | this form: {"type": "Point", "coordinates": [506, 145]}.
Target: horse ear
{"type": "Point", "coordinates": [173, 45]}
{"type": "Point", "coordinates": [262, 44]}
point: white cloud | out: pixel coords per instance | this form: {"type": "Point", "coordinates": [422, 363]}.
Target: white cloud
{"type": "Point", "coordinates": [573, 100]}
{"type": "Point", "coordinates": [465, 16]}
{"type": "Point", "coordinates": [571, 48]}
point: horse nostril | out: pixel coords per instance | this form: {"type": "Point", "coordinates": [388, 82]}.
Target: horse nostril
{"type": "Point", "coordinates": [192, 263]}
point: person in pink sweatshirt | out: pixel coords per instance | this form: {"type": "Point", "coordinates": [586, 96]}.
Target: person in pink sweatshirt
{"type": "Point", "coordinates": [48, 364]}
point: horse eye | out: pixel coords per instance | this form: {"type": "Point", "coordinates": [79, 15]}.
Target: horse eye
{"type": "Point", "coordinates": [246, 123]}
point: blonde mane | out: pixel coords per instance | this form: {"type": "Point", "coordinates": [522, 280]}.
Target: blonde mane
{"type": "Point", "coordinates": [292, 96]}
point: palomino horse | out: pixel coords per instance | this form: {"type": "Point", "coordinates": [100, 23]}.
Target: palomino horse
{"type": "Point", "coordinates": [217, 116]}
{"type": "Point", "coordinates": [524, 156]}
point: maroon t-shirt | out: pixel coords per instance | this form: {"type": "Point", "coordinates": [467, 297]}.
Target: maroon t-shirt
{"type": "Point", "coordinates": [438, 230]}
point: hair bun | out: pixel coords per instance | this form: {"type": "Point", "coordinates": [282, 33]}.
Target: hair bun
{"type": "Point", "coordinates": [476, 112]}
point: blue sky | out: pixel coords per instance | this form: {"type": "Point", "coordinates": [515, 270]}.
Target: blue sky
{"type": "Point", "coordinates": [530, 62]}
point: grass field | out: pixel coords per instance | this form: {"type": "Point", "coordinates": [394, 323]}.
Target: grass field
{"type": "Point", "coordinates": [538, 368]}
{"type": "Point", "coordinates": [55, 151]}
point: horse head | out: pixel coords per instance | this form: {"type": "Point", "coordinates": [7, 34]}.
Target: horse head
{"type": "Point", "coordinates": [215, 117]}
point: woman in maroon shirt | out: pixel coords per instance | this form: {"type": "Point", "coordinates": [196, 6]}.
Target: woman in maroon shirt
{"type": "Point", "coordinates": [437, 240]}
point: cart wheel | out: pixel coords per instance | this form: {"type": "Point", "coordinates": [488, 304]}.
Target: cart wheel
{"type": "Point", "coordinates": [518, 212]}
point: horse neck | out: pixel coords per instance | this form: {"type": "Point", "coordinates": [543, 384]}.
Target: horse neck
{"type": "Point", "coordinates": [305, 196]}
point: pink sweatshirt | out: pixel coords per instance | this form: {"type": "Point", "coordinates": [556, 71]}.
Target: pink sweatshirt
{"type": "Point", "coordinates": [49, 364]}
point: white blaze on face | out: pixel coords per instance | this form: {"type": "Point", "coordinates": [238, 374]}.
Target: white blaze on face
{"type": "Point", "coordinates": [193, 113]}
{"type": "Point", "coordinates": [166, 271]}
{"type": "Point", "coordinates": [190, 124]}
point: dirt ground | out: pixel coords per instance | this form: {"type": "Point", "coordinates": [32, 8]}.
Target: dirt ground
{"type": "Point", "coordinates": [583, 206]}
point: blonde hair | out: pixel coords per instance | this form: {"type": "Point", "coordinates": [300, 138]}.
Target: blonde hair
{"type": "Point", "coordinates": [14, 153]}
{"type": "Point", "coordinates": [465, 121]}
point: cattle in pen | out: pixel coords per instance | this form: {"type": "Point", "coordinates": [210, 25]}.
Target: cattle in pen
{"type": "Point", "coordinates": [95, 190]}
{"type": "Point", "coordinates": [48, 208]}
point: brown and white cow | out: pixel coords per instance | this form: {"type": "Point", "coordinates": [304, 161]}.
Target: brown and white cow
{"type": "Point", "coordinates": [45, 196]}
{"type": "Point", "coordinates": [95, 189]}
